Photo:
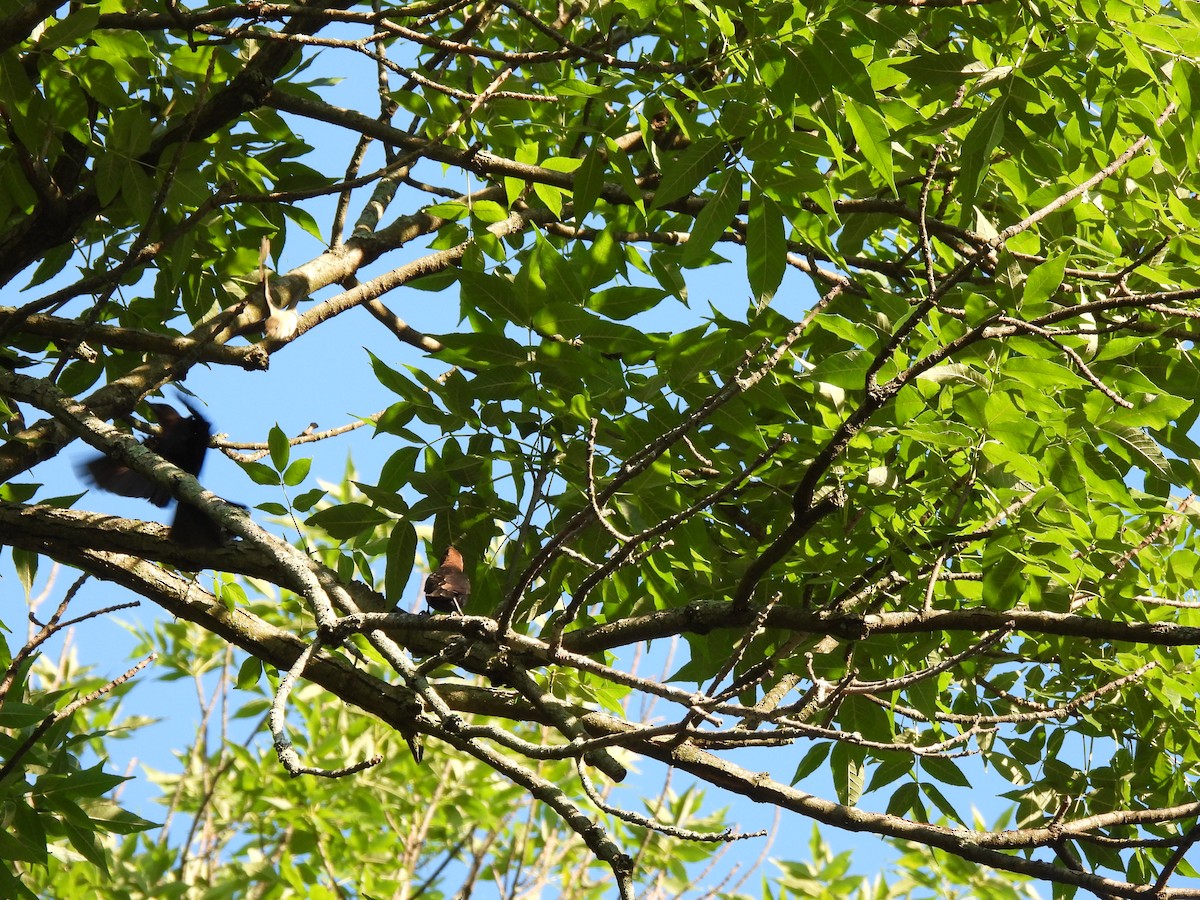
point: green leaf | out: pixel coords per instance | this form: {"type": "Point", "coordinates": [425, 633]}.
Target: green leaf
{"type": "Point", "coordinates": [1010, 768]}
{"type": "Point", "coordinates": [396, 382]}
{"type": "Point", "coordinates": [78, 24]}
{"type": "Point", "coordinates": [18, 492]}
{"type": "Point", "coordinates": [858, 714]}
{"type": "Point", "coordinates": [279, 446]}
{"type": "Point", "coordinates": [939, 800]}
{"type": "Point", "coordinates": [489, 212]}
{"type": "Point", "coordinates": [20, 715]}
{"type": "Point", "coordinates": [1145, 451]}
{"type": "Point", "coordinates": [847, 769]}
{"type": "Point", "coordinates": [977, 149]}
{"type": "Point", "coordinates": [384, 498]}
{"type": "Point", "coordinates": [575, 88]}
{"type": "Point", "coordinates": [81, 833]}
{"type": "Point", "coordinates": [873, 138]}
{"type": "Point", "coordinates": [904, 799]}
{"type": "Point", "coordinates": [297, 471]}
{"type": "Point", "coordinates": [766, 247]}
{"type": "Point", "coordinates": [232, 594]}
{"type": "Point", "coordinates": [306, 501]}
{"type": "Point", "coordinates": [347, 520]}
{"type": "Point", "coordinates": [714, 218]}
{"type": "Point", "coordinates": [950, 68]}
{"type": "Point", "coordinates": [1040, 374]}
{"type": "Point", "coordinates": [811, 761]}
{"type": "Point", "coordinates": [1044, 280]}
{"type": "Point", "coordinates": [892, 765]}
{"type": "Point", "coordinates": [548, 274]}
{"type": "Point", "coordinates": [624, 169]}
{"type": "Point", "coordinates": [24, 837]}
{"type": "Point", "coordinates": [249, 673]}
{"type": "Point", "coordinates": [566, 321]}
{"type": "Point", "coordinates": [109, 817]}
{"type": "Point", "coordinates": [847, 369]}
{"type": "Point", "coordinates": [695, 164]}
{"type": "Point", "coordinates": [259, 473]}
{"type": "Point", "coordinates": [26, 564]}
{"type": "Point", "coordinates": [623, 301]}
{"type": "Point", "coordinates": [450, 209]}
{"type": "Point", "coordinates": [496, 296]}
{"type": "Point", "coordinates": [589, 181]}
{"type": "Point", "coordinates": [1003, 572]}
{"type": "Point", "coordinates": [944, 770]}
{"type": "Point", "coordinates": [401, 554]}
{"type": "Point", "coordinates": [304, 219]}
{"type": "Point", "coordinates": [9, 885]}
{"type": "Point", "coordinates": [551, 196]}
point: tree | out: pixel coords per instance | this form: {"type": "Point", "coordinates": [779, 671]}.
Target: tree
{"type": "Point", "coordinates": [447, 828]}
{"type": "Point", "coordinates": [928, 530]}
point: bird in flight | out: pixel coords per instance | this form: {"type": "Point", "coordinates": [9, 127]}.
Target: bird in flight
{"type": "Point", "coordinates": [182, 440]}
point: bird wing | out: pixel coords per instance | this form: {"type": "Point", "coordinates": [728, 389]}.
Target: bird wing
{"type": "Point", "coordinates": [107, 474]}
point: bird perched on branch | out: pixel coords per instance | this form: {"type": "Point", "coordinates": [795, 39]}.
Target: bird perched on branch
{"type": "Point", "coordinates": [182, 440]}
{"type": "Point", "coordinates": [447, 587]}
{"type": "Point", "coordinates": [282, 322]}
{"type": "Point", "coordinates": [260, 311]}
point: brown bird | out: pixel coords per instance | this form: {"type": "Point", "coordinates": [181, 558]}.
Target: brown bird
{"type": "Point", "coordinates": [447, 587]}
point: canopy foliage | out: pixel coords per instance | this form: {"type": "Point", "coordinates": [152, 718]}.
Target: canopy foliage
{"type": "Point", "coordinates": [916, 508]}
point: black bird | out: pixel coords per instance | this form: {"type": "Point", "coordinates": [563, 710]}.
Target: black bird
{"type": "Point", "coordinates": [447, 587]}
{"type": "Point", "coordinates": [182, 440]}
{"type": "Point", "coordinates": [192, 527]}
